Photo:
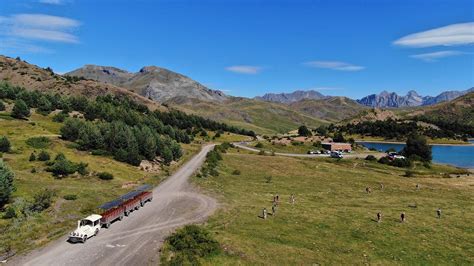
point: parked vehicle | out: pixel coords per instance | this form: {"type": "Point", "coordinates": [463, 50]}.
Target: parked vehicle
{"type": "Point", "coordinates": [86, 228]}
{"type": "Point", "coordinates": [336, 154]}
{"type": "Point", "coordinates": [111, 211]}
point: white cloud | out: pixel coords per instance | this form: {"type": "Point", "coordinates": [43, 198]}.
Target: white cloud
{"type": "Point", "coordinates": [51, 2]}
{"type": "Point", "coordinates": [451, 35]}
{"type": "Point", "coordinates": [40, 27]}
{"type": "Point", "coordinates": [334, 65]}
{"type": "Point", "coordinates": [13, 46]}
{"type": "Point", "coordinates": [44, 21]}
{"type": "Point", "coordinates": [433, 57]}
{"type": "Point", "coordinates": [252, 70]}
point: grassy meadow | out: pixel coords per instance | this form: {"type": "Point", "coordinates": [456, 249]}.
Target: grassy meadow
{"type": "Point", "coordinates": [21, 234]}
{"type": "Point", "coordinates": [334, 220]}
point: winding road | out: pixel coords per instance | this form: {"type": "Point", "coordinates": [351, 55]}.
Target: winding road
{"type": "Point", "coordinates": [137, 239]}
{"type": "Point", "coordinates": [244, 145]}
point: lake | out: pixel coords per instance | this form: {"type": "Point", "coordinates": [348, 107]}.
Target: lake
{"type": "Point", "coordinates": [457, 155]}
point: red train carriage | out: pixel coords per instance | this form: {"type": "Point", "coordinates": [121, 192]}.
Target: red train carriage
{"type": "Point", "coordinates": [123, 206]}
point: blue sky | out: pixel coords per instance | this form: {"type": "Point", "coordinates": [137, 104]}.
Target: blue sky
{"type": "Point", "coordinates": [247, 48]}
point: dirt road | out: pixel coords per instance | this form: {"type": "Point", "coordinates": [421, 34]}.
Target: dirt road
{"type": "Point", "coordinates": [135, 240]}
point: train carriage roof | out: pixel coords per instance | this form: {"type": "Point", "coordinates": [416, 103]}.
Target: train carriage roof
{"type": "Point", "coordinates": [111, 204]}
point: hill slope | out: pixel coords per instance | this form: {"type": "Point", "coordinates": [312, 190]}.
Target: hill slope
{"type": "Point", "coordinates": [460, 110]}
{"type": "Point", "coordinates": [261, 117]}
{"type": "Point", "coordinates": [32, 77]}
{"type": "Point", "coordinates": [152, 82]}
{"type": "Point", "coordinates": [332, 109]}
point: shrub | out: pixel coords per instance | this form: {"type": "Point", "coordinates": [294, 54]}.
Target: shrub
{"type": "Point", "coordinates": [43, 156]}
{"type": "Point", "coordinates": [401, 163]}
{"type": "Point", "coordinates": [20, 110]}
{"type": "Point", "coordinates": [60, 117]}
{"type": "Point", "coordinates": [5, 145]}
{"type": "Point", "coordinates": [33, 170]}
{"type": "Point", "coordinates": [38, 142]}
{"type": "Point", "coordinates": [9, 213]}
{"type": "Point", "coordinates": [409, 173]}
{"type": "Point", "coordinates": [63, 167]}
{"type": "Point", "coordinates": [2, 106]}
{"type": "Point", "coordinates": [70, 197]}
{"type": "Point", "coordinates": [32, 157]}
{"type": "Point", "coordinates": [6, 183]}
{"type": "Point", "coordinates": [259, 145]}
{"type": "Point", "coordinates": [191, 243]}
{"type": "Point", "coordinates": [370, 158]}
{"type": "Point", "coordinates": [304, 131]}
{"type": "Point", "coordinates": [268, 179]}
{"type": "Point", "coordinates": [384, 160]}
{"type": "Point", "coordinates": [236, 172]}
{"type": "Point", "coordinates": [42, 200]}
{"type": "Point", "coordinates": [105, 176]}
{"type": "Point", "coordinates": [261, 152]}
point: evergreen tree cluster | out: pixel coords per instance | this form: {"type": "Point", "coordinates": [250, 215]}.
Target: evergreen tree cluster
{"type": "Point", "coordinates": [398, 129]}
{"type": "Point", "coordinates": [126, 143]}
{"type": "Point", "coordinates": [118, 125]}
{"type": "Point", "coordinates": [6, 183]}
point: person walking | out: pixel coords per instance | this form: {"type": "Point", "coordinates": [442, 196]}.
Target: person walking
{"type": "Point", "coordinates": [379, 217]}
{"type": "Point", "coordinates": [382, 186]}
{"type": "Point", "coordinates": [292, 199]}
{"type": "Point", "coordinates": [402, 217]}
{"type": "Point", "coordinates": [264, 213]}
{"type": "Point", "coordinates": [368, 190]}
{"type": "Point", "coordinates": [273, 210]}
{"type": "Point", "coordinates": [417, 186]}
{"type": "Point", "coordinates": [438, 212]}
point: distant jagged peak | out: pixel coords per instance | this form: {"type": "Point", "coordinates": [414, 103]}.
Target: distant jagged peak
{"type": "Point", "coordinates": [288, 98]}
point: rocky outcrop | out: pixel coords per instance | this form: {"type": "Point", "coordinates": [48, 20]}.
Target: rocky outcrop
{"type": "Point", "coordinates": [288, 98]}
{"type": "Point", "coordinates": [156, 83]}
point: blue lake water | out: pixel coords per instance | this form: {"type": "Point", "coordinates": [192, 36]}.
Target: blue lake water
{"type": "Point", "coordinates": [457, 155]}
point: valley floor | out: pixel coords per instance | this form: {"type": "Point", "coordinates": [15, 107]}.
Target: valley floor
{"type": "Point", "coordinates": [333, 220]}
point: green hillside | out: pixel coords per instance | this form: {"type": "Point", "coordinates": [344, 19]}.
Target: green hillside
{"type": "Point", "coordinates": [261, 117]}
{"type": "Point", "coordinates": [333, 220]}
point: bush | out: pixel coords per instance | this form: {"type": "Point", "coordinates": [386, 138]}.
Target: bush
{"type": "Point", "coordinates": [38, 142]}
{"type": "Point", "coordinates": [105, 176]}
{"type": "Point", "coordinates": [2, 106]}
{"type": "Point", "coordinates": [70, 197]}
{"type": "Point", "coordinates": [370, 158]}
{"type": "Point", "coordinates": [304, 131]}
{"type": "Point", "coordinates": [236, 172]}
{"type": "Point", "coordinates": [5, 145]}
{"type": "Point", "coordinates": [384, 160]}
{"type": "Point", "coordinates": [409, 173]}
{"type": "Point", "coordinates": [259, 145]}
{"type": "Point", "coordinates": [62, 167]}
{"type": "Point", "coordinates": [20, 110]}
{"type": "Point", "coordinates": [6, 183]}
{"type": "Point", "coordinates": [262, 152]}
{"type": "Point", "coordinates": [42, 200]}
{"type": "Point", "coordinates": [9, 213]}
{"type": "Point", "coordinates": [268, 179]}
{"type": "Point", "coordinates": [191, 243]}
{"type": "Point", "coordinates": [32, 157]}
{"type": "Point", "coordinates": [401, 163]}
{"type": "Point", "coordinates": [60, 117]}
{"type": "Point", "coordinates": [43, 156]}
{"type": "Point", "coordinates": [33, 170]}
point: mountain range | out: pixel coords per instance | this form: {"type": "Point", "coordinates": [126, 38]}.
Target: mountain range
{"type": "Point", "coordinates": [411, 99]}
{"type": "Point", "coordinates": [161, 88]}
{"type": "Point", "coordinates": [156, 83]}
{"type": "Point", "coordinates": [288, 98]}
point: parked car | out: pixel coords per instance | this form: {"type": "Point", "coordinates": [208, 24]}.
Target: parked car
{"type": "Point", "coordinates": [336, 154]}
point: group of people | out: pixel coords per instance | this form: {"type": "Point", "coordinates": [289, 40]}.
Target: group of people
{"type": "Point", "coordinates": [275, 202]}
{"type": "Point", "coordinates": [368, 190]}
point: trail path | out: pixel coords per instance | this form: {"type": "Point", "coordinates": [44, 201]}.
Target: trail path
{"type": "Point", "coordinates": [137, 239]}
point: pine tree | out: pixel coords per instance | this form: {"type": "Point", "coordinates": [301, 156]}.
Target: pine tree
{"type": "Point", "coordinates": [20, 110]}
{"type": "Point", "coordinates": [5, 145]}
{"type": "Point", "coordinates": [6, 183]}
